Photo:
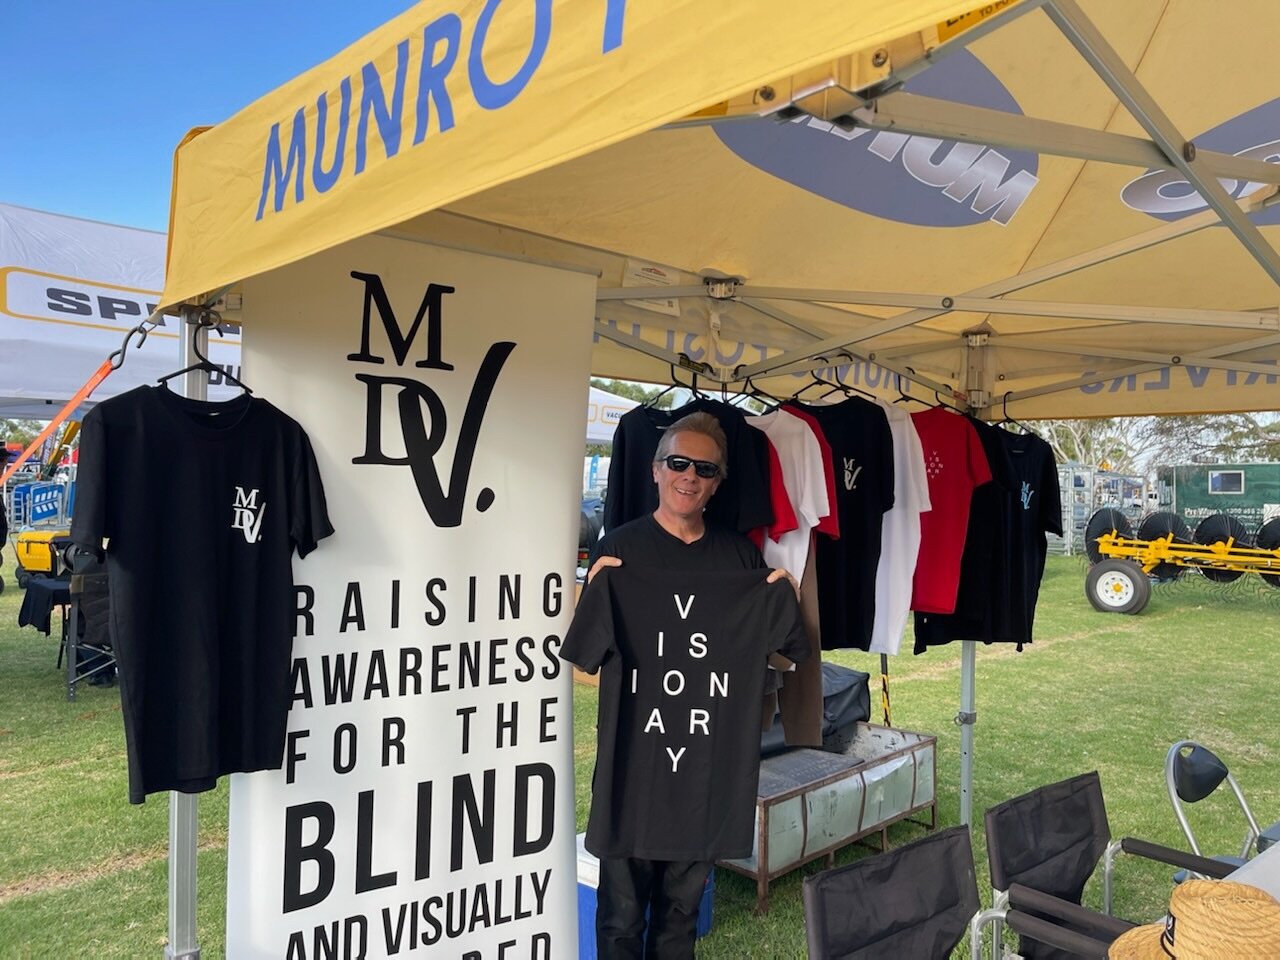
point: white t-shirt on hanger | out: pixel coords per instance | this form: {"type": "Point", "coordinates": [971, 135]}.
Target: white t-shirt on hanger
{"type": "Point", "coordinates": [900, 533]}
{"type": "Point", "coordinates": [802, 472]}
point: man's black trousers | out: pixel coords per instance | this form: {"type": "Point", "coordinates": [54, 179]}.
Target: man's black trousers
{"type": "Point", "coordinates": [670, 891]}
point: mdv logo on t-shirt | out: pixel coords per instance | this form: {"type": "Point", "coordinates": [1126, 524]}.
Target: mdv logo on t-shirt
{"type": "Point", "coordinates": [851, 471]}
{"type": "Point", "coordinates": [247, 513]}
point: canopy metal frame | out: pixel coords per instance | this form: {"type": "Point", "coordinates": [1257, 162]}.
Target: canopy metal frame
{"type": "Point", "coordinates": [884, 106]}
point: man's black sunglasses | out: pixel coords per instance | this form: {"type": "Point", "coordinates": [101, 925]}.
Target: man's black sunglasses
{"type": "Point", "coordinates": [703, 468]}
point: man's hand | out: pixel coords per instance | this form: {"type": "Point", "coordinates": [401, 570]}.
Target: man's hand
{"type": "Point", "coordinates": [600, 564]}
{"type": "Point", "coordinates": [778, 574]}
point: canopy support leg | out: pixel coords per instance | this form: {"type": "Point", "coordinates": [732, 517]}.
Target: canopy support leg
{"type": "Point", "coordinates": [966, 718]}
{"type": "Point", "coordinates": [183, 943]}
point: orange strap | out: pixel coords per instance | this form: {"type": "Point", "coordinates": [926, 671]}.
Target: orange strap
{"type": "Point", "coordinates": [81, 396]}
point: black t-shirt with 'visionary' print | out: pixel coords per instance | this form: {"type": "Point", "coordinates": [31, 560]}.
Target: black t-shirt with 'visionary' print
{"type": "Point", "coordinates": [682, 660]}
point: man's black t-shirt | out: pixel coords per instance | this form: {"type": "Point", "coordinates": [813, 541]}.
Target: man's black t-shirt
{"type": "Point", "coordinates": [682, 656]}
{"type": "Point", "coordinates": [741, 503]}
{"type": "Point", "coordinates": [643, 541]}
{"type": "Point", "coordinates": [202, 505]}
{"type": "Point", "coordinates": [862, 460]}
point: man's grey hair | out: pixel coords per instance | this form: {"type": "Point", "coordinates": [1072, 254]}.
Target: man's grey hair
{"type": "Point", "coordinates": [703, 423]}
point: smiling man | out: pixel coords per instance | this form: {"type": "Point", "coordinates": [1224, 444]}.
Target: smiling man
{"type": "Point", "coordinates": [688, 468]}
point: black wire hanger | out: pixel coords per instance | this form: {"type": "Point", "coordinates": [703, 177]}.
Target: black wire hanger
{"type": "Point", "coordinates": [751, 390]}
{"type": "Point", "coordinates": [675, 382]}
{"type": "Point", "coordinates": [903, 396]}
{"type": "Point", "coordinates": [848, 387]}
{"type": "Point", "coordinates": [1004, 405]}
{"type": "Point", "coordinates": [208, 320]}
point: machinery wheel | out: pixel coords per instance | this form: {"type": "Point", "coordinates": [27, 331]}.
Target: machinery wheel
{"type": "Point", "coordinates": [1117, 586]}
{"type": "Point", "coordinates": [1157, 526]}
{"type": "Point", "coordinates": [1, 584]}
{"type": "Point", "coordinates": [21, 577]}
{"type": "Point", "coordinates": [1218, 528]}
{"type": "Point", "coordinates": [1104, 521]}
{"type": "Point", "coordinates": [1268, 538]}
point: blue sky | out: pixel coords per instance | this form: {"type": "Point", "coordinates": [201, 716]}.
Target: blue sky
{"type": "Point", "coordinates": [94, 96]}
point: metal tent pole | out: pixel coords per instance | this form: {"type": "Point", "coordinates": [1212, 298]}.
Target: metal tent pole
{"type": "Point", "coordinates": [183, 943]}
{"type": "Point", "coordinates": [967, 717]}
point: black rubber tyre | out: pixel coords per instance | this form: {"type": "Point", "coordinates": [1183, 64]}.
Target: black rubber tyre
{"type": "Point", "coordinates": [1268, 538]}
{"type": "Point", "coordinates": [21, 577]}
{"type": "Point", "coordinates": [1117, 586]}
{"type": "Point", "coordinates": [1218, 528]}
{"type": "Point", "coordinates": [1156, 526]}
{"type": "Point", "coordinates": [1104, 521]}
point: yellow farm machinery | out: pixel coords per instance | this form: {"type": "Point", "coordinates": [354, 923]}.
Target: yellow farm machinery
{"type": "Point", "coordinates": [1123, 563]}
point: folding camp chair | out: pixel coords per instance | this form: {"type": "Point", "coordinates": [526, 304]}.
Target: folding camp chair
{"type": "Point", "coordinates": [915, 901]}
{"type": "Point", "coordinates": [1043, 847]}
{"type": "Point", "coordinates": [86, 636]}
{"type": "Point", "coordinates": [1193, 772]}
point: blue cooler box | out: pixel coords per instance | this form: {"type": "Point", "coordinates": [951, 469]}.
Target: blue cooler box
{"type": "Point", "coordinates": [589, 880]}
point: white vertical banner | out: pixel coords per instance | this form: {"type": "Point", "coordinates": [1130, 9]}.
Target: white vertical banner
{"type": "Point", "coordinates": [426, 806]}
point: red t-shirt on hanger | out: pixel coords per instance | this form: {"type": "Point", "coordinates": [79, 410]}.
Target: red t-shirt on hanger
{"type": "Point", "coordinates": [956, 464]}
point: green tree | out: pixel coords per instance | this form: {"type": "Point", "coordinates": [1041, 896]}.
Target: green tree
{"type": "Point", "coordinates": [640, 392]}
{"type": "Point", "coordinates": [20, 431]}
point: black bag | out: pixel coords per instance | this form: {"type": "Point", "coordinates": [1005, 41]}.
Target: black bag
{"type": "Point", "coordinates": [845, 700]}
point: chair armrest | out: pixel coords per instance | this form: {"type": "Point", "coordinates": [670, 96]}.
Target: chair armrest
{"type": "Point", "coordinates": [1090, 921]}
{"type": "Point", "coordinates": [1047, 933]}
{"type": "Point", "coordinates": [1215, 869]}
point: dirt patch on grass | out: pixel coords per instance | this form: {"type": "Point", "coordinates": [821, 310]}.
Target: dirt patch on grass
{"type": "Point", "coordinates": [60, 765]}
{"type": "Point", "coordinates": [65, 879]}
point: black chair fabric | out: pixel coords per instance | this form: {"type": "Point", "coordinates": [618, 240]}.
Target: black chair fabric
{"type": "Point", "coordinates": [1050, 839]}
{"type": "Point", "coordinates": [915, 901]}
{"type": "Point", "coordinates": [1197, 773]}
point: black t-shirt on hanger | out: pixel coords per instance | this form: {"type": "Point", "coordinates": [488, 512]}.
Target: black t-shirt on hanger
{"type": "Point", "coordinates": [202, 505]}
{"type": "Point", "coordinates": [1037, 508]}
{"type": "Point", "coordinates": [862, 460]}
{"type": "Point", "coordinates": [984, 607]}
{"type": "Point", "coordinates": [741, 503]}
{"type": "Point", "coordinates": [682, 658]}
{"type": "Point", "coordinates": [1000, 586]}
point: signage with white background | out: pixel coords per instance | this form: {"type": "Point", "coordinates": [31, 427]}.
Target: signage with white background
{"type": "Point", "coordinates": [426, 805]}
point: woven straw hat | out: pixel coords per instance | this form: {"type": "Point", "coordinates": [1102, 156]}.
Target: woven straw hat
{"type": "Point", "coordinates": [1208, 920]}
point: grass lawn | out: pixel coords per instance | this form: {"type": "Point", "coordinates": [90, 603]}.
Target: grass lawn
{"type": "Point", "coordinates": [83, 873]}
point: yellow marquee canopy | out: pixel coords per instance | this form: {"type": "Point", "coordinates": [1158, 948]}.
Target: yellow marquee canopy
{"type": "Point", "coordinates": [1046, 207]}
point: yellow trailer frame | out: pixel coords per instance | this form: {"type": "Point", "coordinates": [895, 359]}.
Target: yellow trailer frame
{"type": "Point", "coordinates": [1224, 555]}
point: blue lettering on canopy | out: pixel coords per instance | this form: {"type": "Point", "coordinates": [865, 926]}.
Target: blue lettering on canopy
{"type": "Point", "coordinates": [324, 179]}
{"type": "Point", "coordinates": [431, 77]}
{"type": "Point", "coordinates": [373, 100]}
{"type": "Point", "coordinates": [441, 44]}
{"type": "Point", "coordinates": [1188, 375]}
{"type": "Point", "coordinates": [492, 95]}
{"type": "Point", "coordinates": [279, 172]}
{"type": "Point", "coordinates": [910, 179]}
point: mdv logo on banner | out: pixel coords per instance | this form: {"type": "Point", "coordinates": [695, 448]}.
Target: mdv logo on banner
{"type": "Point", "coordinates": [1166, 195]}
{"type": "Point", "coordinates": [895, 176]}
{"type": "Point", "coordinates": [444, 505]}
